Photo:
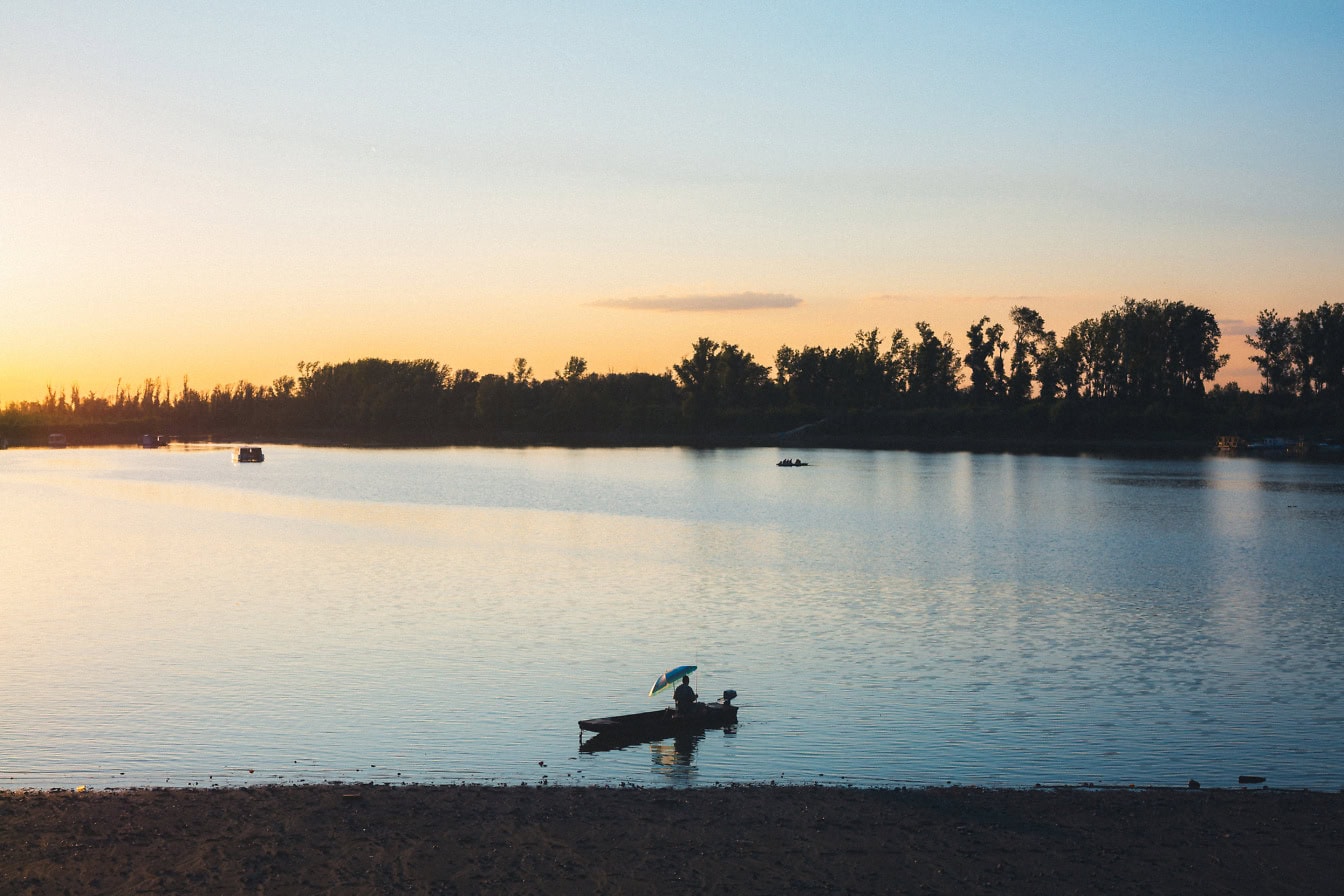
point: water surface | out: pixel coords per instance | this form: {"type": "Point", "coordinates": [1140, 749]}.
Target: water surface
{"type": "Point", "coordinates": [888, 618]}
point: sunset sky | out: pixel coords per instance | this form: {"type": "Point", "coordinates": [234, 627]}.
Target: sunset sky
{"type": "Point", "coordinates": [222, 190]}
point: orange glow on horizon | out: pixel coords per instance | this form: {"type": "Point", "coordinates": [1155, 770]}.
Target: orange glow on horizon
{"type": "Point", "coordinates": [610, 340]}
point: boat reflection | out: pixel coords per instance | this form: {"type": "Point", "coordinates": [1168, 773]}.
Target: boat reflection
{"type": "Point", "coordinates": [676, 760]}
{"type": "Point", "coordinates": [680, 752]}
{"type": "Point", "coordinates": [667, 751]}
{"type": "Point", "coordinates": [611, 740]}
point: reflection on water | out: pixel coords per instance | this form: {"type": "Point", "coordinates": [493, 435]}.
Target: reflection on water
{"type": "Point", "coordinates": [675, 760]}
{"type": "Point", "coordinates": [448, 615]}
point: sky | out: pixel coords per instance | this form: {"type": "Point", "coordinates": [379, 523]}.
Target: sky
{"type": "Point", "coordinates": [219, 191]}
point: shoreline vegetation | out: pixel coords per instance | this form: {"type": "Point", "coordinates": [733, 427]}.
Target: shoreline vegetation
{"type": "Point", "coordinates": [1134, 381]}
{"type": "Point", "coordinates": [741, 839]}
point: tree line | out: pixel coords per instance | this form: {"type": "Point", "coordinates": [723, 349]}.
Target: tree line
{"type": "Point", "coordinates": [1142, 369]}
{"type": "Point", "coordinates": [1303, 355]}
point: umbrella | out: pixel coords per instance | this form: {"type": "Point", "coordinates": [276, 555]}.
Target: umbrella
{"type": "Point", "coordinates": [670, 678]}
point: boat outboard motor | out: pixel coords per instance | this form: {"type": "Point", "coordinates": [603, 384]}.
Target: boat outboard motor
{"type": "Point", "coordinates": [728, 698]}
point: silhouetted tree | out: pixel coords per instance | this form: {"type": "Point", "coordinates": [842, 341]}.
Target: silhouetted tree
{"type": "Point", "coordinates": [859, 376]}
{"type": "Point", "coordinates": [373, 394]}
{"type": "Point", "coordinates": [698, 380]}
{"type": "Point", "coordinates": [521, 372]}
{"type": "Point", "coordinates": [575, 368]}
{"type": "Point", "coordinates": [718, 377]}
{"type": "Point", "coordinates": [1275, 339]}
{"type": "Point", "coordinates": [1035, 356]}
{"type": "Point", "coordinates": [1192, 352]}
{"type": "Point", "coordinates": [1320, 350]}
{"type": "Point", "coordinates": [895, 362]}
{"type": "Point", "coordinates": [1142, 351]}
{"type": "Point", "coordinates": [866, 368]}
{"type": "Point", "coordinates": [984, 357]}
{"type": "Point", "coordinates": [931, 366]}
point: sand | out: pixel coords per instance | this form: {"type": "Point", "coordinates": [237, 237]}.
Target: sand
{"type": "Point", "coordinates": [757, 839]}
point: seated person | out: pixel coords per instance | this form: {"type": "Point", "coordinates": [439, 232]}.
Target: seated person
{"type": "Point", "coordinates": [685, 696]}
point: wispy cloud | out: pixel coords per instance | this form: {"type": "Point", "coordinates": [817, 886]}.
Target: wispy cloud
{"type": "Point", "coordinates": [739, 301]}
{"type": "Point", "coordinates": [1236, 327]}
{"type": "Point", "coordinates": [986, 300]}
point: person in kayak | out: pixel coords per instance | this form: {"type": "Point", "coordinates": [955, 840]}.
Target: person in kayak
{"type": "Point", "coordinates": [685, 696]}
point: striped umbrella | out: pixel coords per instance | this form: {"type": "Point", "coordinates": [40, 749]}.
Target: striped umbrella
{"type": "Point", "coordinates": [670, 678]}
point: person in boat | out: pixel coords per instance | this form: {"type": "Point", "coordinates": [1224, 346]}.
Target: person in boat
{"type": "Point", "coordinates": [685, 697]}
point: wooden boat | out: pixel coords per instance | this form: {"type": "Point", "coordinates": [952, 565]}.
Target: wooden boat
{"type": "Point", "coordinates": [250, 455]}
{"type": "Point", "coordinates": [661, 723]}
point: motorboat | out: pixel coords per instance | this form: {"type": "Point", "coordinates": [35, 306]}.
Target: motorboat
{"type": "Point", "coordinates": [249, 454]}
{"type": "Point", "coordinates": [658, 724]}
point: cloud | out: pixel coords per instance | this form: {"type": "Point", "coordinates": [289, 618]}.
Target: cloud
{"type": "Point", "coordinates": [1237, 327]}
{"type": "Point", "coordinates": [739, 301]}
{"type": "Point", "coordinates": [983, 300]}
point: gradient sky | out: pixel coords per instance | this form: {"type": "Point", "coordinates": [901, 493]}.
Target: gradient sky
{"type": "Point", "coordinates": [222, 190]}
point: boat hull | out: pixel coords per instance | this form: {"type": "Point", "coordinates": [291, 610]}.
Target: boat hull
{"type": "Point", "coordinates": [659, 724]}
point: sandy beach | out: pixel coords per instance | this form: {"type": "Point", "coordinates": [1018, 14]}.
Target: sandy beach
{"type": "Point", "coordinates": [758, 839]}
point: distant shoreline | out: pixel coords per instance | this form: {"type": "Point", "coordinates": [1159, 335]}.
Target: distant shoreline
{"type": "Point", "coordinates": [129, 437]}
{"type": "Point", "coordinates": [737, 839]}
{"type": "Point", "coordinates": [1183, 448]}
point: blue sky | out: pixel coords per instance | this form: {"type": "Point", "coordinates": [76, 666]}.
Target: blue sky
{"type": "Point", "coordinates": [223, 190]}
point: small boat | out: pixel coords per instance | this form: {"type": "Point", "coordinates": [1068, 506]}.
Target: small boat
{"type": "Point", "coordinates": [249, 454]}
{"type": "Point", "coordinates": [660, 723]}
{"type": "Point", "coordinates": [148, 441]}
{"type": "Point", "coordinates": [792, 462]}
{"type": "Point", "coordinates": [56, 440]}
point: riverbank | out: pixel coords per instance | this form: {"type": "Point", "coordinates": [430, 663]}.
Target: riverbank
{"type": "Point", "coordinates": [1065, 427]}
{"type": "Point", "coordinates": [759, 839]}
{"type": "Point", "coordinates": [793, 444]}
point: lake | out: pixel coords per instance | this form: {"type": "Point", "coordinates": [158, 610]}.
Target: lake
{"type": "Point", "coordinates": [448, 615]}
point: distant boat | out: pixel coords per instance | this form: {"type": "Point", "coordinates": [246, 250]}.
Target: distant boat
{"type": "Point", "coordinates": [249, 454]}
{"type": "Point", "coordinates": [792, 462]}
{"type": "Point", "coordinates": [56, 440]}
{"type": "Point", "coordinates": [1272, 443]}
{"type": "Point", "coordinates": [148, 441]}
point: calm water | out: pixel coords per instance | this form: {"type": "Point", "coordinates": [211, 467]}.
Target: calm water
{"type": "Point", "coordinates": [448, 615]}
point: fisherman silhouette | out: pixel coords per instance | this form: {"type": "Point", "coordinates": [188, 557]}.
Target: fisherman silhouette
{"type": "Point", "coordinates": [685, 696]}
